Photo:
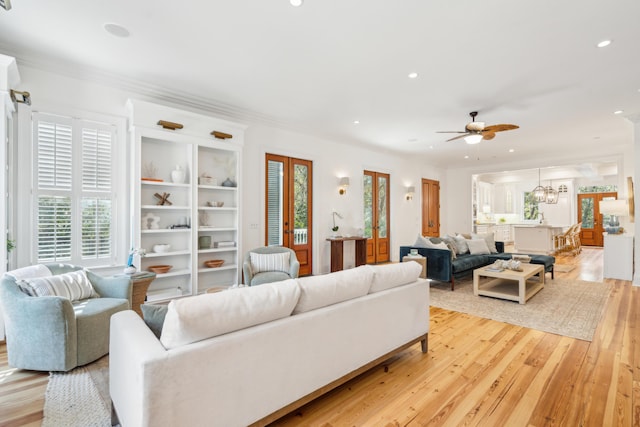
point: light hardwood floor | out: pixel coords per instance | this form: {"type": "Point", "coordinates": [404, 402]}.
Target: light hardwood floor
{"type": "Point", "coordinates": [477, 372]}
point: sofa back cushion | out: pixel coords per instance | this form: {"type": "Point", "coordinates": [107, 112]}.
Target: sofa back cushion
{"type": "Point", "coordinates": [205, 316]}
{"type": "Point", "coordinates": [389, 276]}
{"type": "Point", "coordinates": [327, 289]}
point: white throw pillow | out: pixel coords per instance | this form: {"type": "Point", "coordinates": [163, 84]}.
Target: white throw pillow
{"type": "Point", "coordinates": [389, 276]}
{"type": "Point", "coordinates": [478, 247]}
{"type": "Point", "coordinates": [328, 289]}
{"type": "Point", "coordinates": [461, 244]}
{"type": "Point", "coordinates": [421, 242]}
{"type": "Point", "coordinates": [74, 286]}
{"type": "Point", "coordinates": [490, 238]}
{"type": "Point", "coordinates": [208, 315]}
{"type": "Point", "coordinates": [270, 262]}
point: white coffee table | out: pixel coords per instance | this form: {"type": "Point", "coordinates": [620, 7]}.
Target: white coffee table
{"type": "Point", "coordinates": [509, 284]}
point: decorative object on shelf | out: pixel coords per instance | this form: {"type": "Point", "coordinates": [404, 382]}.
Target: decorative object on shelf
{"type": "Point", "coordinates": [335, 227]}
{"type": "Point", "coordinates": [150, 221]}
{"type": "Point", "coordinates": [163, 199]}
{"type": "Point", "coordinates": [228, 183]}
{"type": "Point", "coordinates": [130, 268]}
{"type": "Point", "coordinates": [221, 135]}
{"type": "Point", "coordinates": [214, 204]}
{"type": "Point", "coordinates": [161, 248]}
{"type": "Point", "coordinates": [204, 242]}
{"type": "Point", "coordinates": [205, 179]}
{"type": "Point", "coordinates": [508, 264]}
{"type": "Point", "coordinates": [170, 125]}
{"type": "Point", "coordinates": [178, 175]}
{"type": "Point", "coordinates": [204, 218]}
{"type": "Point", "coordinates": [214, 263]}
{"type": "Point", "coordinates": [149, 172]}
{"type": "Point", "coordinates": [224, 244]}
{"type": "Point", "coordinates": [160, 269]}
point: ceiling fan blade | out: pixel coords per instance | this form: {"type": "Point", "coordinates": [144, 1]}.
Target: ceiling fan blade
{"type": "Point", "coordinates": [450, 131]}
{"type": "Point", "coordinates": [488, 135]}
{"type": "Point", "coordinates": [458, 137]}
{"type": "Point", "coordinates": [500, 128]}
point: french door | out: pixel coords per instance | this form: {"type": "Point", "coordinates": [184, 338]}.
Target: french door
{"type": "Point", "coordinates": [591, 218]}
{"type": "Point", "coordinates": [376, 216]}
{"type": "Point", "coordinates": [288, 207]}
{"type": "Point", "coordinates": [430, 208]}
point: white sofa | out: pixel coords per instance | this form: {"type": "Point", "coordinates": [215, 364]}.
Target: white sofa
{"type": "Point", "coordinates": [337, 326]}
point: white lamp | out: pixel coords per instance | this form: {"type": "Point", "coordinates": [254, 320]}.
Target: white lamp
{"type": "Point", "coordinates": [615, 209]}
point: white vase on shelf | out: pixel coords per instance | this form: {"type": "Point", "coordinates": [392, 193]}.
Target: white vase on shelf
{"type": "Point", "coordinates": [178, 175]}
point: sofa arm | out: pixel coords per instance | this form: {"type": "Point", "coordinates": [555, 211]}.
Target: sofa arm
{"type": "Point", "coordinates": [438, 262]}
{"type": "Point", "coordinates": [294, 269]}
{"type": "Point", "coordinates": [247, 272]}
{"type": "Point", "coordinates": [111, 287]}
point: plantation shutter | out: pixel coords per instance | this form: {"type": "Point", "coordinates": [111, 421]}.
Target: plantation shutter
{"type": "Point", "coordinates": [74, 189]}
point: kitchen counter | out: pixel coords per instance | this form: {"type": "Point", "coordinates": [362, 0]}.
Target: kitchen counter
{"type": "Point", "coordinates": [535, 238]}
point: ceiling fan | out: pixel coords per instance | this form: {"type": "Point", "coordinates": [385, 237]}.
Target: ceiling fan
{"type": "Point", "coordinates": [475, 132]}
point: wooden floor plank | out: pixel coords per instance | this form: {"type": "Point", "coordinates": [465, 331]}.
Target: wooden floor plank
{"type": "Point", "coordinates": [477, 372]}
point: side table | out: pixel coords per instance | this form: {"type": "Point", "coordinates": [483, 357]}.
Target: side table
{"type": "Point", "coordinates": [140, 281]}
{"type": "Point", "coordinates": [420, 260]}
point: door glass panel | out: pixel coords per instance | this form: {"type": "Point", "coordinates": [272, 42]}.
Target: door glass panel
{"type": "Point", "coordinates": [368, 206]}
{"type": "Point", "coordinates": [382, 207]}
{"type": "Point", "coordinates": [587, 212]}
{"type": "Point", "coordinates": [275, 173]}
{"type": "Point", "coordinates": [300, 206]}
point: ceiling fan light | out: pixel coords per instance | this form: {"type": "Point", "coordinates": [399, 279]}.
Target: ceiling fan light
{"type": "Point", "coordinates": [473, 138]}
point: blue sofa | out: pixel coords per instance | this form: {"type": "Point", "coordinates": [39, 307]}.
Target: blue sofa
{"type": "Point", "coordinates": [442, 268]}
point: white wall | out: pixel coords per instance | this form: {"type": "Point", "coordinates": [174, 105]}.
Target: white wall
{"type": "Point", "coordinates": [331, 159]}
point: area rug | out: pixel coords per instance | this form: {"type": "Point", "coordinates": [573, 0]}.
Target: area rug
{"type": "Point", "coordinates": [79, 398]}
{"type": "Point", "coordinates": [563, 268]}
{"type": "Point", "coordinates": [571, 308]}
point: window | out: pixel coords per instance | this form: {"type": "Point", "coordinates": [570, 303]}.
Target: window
{"type": "Point", "coordinates": [74, 197]}
{"type": "Point", "coordinates": [530, 206]}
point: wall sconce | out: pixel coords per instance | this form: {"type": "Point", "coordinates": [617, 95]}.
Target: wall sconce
{"type": "Point", "coordinates": [342, 185]}
{"type": "Point", "coordinates": [410, 191]}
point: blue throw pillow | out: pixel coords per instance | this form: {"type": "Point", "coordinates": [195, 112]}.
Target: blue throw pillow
{"type": "Point", "coordinates": [153, 315]}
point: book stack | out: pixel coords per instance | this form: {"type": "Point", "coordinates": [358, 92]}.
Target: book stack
{"type": "Point", "coordinates": [224, 244]}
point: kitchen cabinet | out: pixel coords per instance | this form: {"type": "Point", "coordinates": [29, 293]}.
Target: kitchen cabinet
{"type": "Point", "coordinates": [535, 239]}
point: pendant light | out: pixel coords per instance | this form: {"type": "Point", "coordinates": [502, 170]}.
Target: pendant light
{"type": "Point", "coordinates": [539, 193]}
{"type": "Point", "coordinates": [551, 195]}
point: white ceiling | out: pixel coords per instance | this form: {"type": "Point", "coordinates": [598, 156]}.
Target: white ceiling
{"type": "Point", "coordinates": [319, 67]}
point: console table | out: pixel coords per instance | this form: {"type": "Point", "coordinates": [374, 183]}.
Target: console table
{"type": "Point", "coordinates": [337, 251]}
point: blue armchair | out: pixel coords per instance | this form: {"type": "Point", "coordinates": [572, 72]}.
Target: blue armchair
{"type": "Point", "coordinates": [253, 277]}
{"type": "Point", "coordinates": [51, 333]}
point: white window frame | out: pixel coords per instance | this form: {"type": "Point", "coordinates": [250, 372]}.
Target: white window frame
{"type": "Point", "coordinates": [29, 205]}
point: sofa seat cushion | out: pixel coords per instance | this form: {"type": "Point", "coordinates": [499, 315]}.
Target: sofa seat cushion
{"type": "Point", "coordinates": [328, 289]}
{"type": "Point", "coordinates": [268, 277]}
{"type": "Point", "coordinates": [466, 262]}
{"type": "Point", "coordinates": [92, 326]}
{"type": "Point", "coordinates": [208, 315]}
{"type": "Point", "coordinates": [389, 276]}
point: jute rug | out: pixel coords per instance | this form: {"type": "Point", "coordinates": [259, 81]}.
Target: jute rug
{"type": "Point", "coordinates": [563, 268]}
{"type": "Point", "coordinates": [79, 398]}
{"type": "Point", "coordinates": [572, 308]}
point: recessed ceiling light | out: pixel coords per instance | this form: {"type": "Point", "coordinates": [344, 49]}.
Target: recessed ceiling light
{"type": "Point", "coordinates": [604, 43]}
{"type": "Point", "coordinates": [116, 30]}
{"type": "Point", "coordinates": [413, 75]}
{"type": "Point", "coordinates": [296, 3]}
{"type": "Point", "coordinates": [356, 122]}
{"type": "Point", "coordinates": [511, 150]}
{"type": "Point", "coordinates": [466, 157]}
{"type": "Point", "coordinates": [413, 140]}
{"type": "Point", "coordinates": [618, 112]}
{"type": "Point", "coordinates": [431, 147]}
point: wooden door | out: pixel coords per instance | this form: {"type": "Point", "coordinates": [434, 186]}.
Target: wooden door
{"type": "Point", "coordinates": [430, 208]}
{"type": "Point", "coordinates": [377, 216]}
{"type": "Point", "coordinates": [288, 186]}
{"type": "Point", "coordinates": [591, 218]}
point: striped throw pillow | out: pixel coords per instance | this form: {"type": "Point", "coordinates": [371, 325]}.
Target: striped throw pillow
{"type": "Point", "coordinates": [270, 262]}
{"type": "Point", "coordinates": [74, 286]}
